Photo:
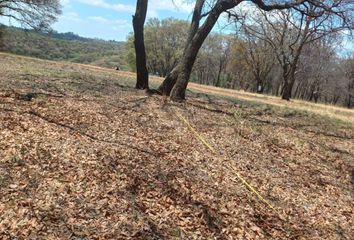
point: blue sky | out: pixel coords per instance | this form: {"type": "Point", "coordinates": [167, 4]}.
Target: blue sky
{"type": "Point", "coordinates": [111, 19]}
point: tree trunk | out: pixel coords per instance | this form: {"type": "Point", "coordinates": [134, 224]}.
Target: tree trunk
{"type": "Point", "coordinates": [166, 87]}
{"type": "Point", "coordinates": [286, 95]}
{"type": "Point", "coordinates": [349, 101]}
{"type": "Point", "coordinates": [218, 78]}
{"type": "Point", "coordinates": [191, 52]}
{"type": "Point", "coordinates": [289, 75]}
{"type": "Point", "coordinates": [142, 75]}
{"type": "Point", "coordinates": [297, 90]}
{"type": "Point", "coordinates": [180, 75]}
{"type": "Point", "coordinates": [170, 80]}
{"type": "Point", "coordinates": [335, 99]}
{"type": "Point", "coordinates": [259, 84]}
{"type": "Point", "coordinates": [277, 87]}
{"type": "Point", "coordinates": [2, 30]}
{"type": "Point", "coordinates": [289, 80]}
{"type": "Point", "coordinates": [185, 67]}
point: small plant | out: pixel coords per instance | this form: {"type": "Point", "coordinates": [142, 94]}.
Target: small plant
{"type": "Point", "coordinates": [17, 160]}
{"type": "Point", "coordinates": [43, 154]}
{"type": "Point", "coordinates": [4, 179]}
{"type": "Point", "coordinates": [275, 141]}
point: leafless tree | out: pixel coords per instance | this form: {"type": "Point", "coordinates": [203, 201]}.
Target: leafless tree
{"type": "Point", "coordinates": [258, 58]}
{"type": "Point", "coordinates": [210, 66]}
{"type": "Point", "coordinates": [288, 31]}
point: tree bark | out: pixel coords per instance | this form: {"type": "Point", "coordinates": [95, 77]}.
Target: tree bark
{"type": "Point", "coordinates": [349, 100]}
{"type": "Point", "coordinates": [286, 95]}
{"type": "Point", "coordinates": [2, 29]}
{"type": "Point", "coordinates": [259, 84]}
{"type": "Point", "coordinates": [289, 80]}
{"type": "Point", "coordinates": [186, 63]}
{"type": "Point", "coordinates": [166, 87]}
{"type": "Point", "coordinates": [142, 75]}
{"type": "Point", "coordinates": [168, 83]}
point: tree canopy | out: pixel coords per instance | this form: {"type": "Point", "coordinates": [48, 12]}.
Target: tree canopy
{"type": "Point", "coordinates": [37, 14]}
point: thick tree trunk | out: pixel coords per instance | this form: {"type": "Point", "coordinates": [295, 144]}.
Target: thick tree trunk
{"type": "Point", "coordinates": [142, 75]}
{"type": "Point", "coordinates": [286, 95]}
{"type": "Point", "coordinates": [289, 76]}
{"type": "Point", "coordinates": [166, 87]}
{"type": "Point", "coordinates": [180, 75]}
{"type": "Point", "coordinates": [185, 69]}
{"type": "Point", "coordinates": [186, 64]}
{"type": "Point", "coordinates": [170, 80]}
{"type": "Point", "coordinates": [349, 101]}
{"type": "Point", "coordinates": [289, 80]}
{"type": "Point", "coordinates": [2, 29]}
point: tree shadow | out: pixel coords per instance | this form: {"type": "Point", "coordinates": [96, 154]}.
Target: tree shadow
{"type": "Point", "coordinates": [89, 136]}
{"type": "Point", "coordinates": [210, 217]}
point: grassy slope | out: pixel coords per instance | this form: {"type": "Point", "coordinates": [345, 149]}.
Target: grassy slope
{"type": "Point", "coordinates": [64, 47]}
{"type": "Point", "coordinates": [334, 112]}
{"type": "Point", "coordinates": [90, 157]}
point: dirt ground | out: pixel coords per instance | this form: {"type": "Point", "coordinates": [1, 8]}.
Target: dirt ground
{"type": "Point", "coordinates": [83, 155]}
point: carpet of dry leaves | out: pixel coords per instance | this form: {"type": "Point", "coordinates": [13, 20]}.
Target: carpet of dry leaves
{"type": "Point", "coordinates": [85, 156]}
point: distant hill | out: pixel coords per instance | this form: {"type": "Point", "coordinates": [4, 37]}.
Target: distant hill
{"type": "Point", "coordinates": [64, 46]}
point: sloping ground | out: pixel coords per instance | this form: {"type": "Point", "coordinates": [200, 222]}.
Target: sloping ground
{"type": "Point", "coordinates": [63, 46]}
{"type": "Point", "coordinates": [343, 114]}
{"type": "Point", "coordinates": [85, 156]}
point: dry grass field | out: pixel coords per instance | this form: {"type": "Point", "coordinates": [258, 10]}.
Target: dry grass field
{"type": "Point", "coordinates": [83, 155]}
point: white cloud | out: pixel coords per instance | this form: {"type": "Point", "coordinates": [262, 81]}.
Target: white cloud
{"type": "Point", "coordinates": [99, 19]}
{"type": "Point", "coordinates": [153, 8]}
{"type": "Point", "coordinates": [116, 24]}
{"type": "Point", "coordinates": [103, 4]}
{"type": "Point", "coordinates": [121, 22]}
{"type": "Point", "coordinates": [172, 5]}
{"type": "Point", "coordinates": [65, 2]}
{"type": "Point", "coordinates": [72, 16]}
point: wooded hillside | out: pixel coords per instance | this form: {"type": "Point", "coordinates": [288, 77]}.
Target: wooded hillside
{"type": "Point", "coordinates": [64, 46]}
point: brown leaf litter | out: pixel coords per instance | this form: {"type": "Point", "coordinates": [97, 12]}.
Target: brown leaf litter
{"type": "Point", "coordinates": [105, 161]}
